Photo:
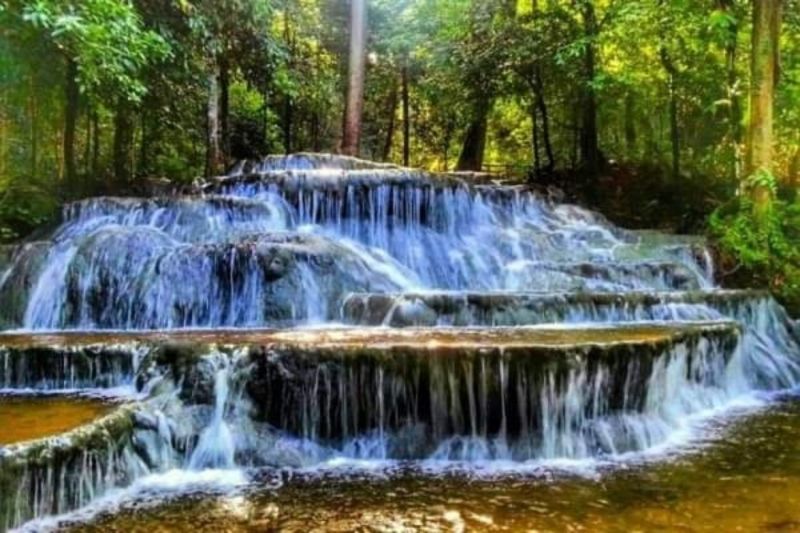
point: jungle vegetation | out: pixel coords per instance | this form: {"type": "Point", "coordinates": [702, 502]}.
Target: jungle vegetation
{"type": "Point", "coordinates": [680, 114]}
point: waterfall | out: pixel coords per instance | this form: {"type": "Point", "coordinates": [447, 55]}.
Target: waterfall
{"type": "Point", "coordinates": [314, 310]}
{"type": "Point", "coordinates": [216, 447]}
{"type": "Point", "coordinates": [248, 248]}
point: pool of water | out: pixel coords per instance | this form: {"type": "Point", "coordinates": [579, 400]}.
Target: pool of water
{"type": "Point", "coordinates": [29, 417]}
{"type": "Point", "coordinates": [745, 476]}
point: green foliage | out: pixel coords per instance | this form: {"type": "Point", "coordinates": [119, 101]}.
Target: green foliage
{"type": "Point", "coordinates": [765, 249]}
{"type": "Point", "coordinates": [104, 37]}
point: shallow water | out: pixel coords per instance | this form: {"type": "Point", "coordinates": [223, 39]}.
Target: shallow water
{"type": "Point", "coordinates": [348, 337]}
{"type": "Point", "coordinates": [745, 477]}
{"type": "Point", "coordinates": [25, 418]}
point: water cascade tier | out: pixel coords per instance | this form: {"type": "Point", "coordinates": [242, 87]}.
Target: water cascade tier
{"type": "Point", "coordinates": [287, 242]}
{"type": "Point", "coordinates": [312, 311]}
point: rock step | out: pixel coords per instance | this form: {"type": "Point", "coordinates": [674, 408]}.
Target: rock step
{"type": "Point", "coordinates": [57, 474]}
{"type": "Point", "coordinates": [445, 308]}
{"type": "Point", "coordinates": [345, 340]}
{"type": "Point", "coordinates": [73, 360]}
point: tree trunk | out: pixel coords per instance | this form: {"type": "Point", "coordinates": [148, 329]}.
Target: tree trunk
{"type": "Point", "coordinates": [224, 112]}
{"type": "Point", "coordinates": [390, 127]}
{"type": "Point", "coordinates": [630, 126]}
{"type": "Point", "coordinates": [589, 144]}
{"type": "Point", "coordinates": [3, 135]}
{"type": "Point", "coordinates": [95, 145]}
{"type": "Point", "coordinates": [541, 104]}
{"type": "Point", "coordinates": [732, 92]}
{"type": "Point", "coordinates": [471, 157]}
{"type": "Point", "coordinates": [72, 98]}
{"type": "Point", "coordinates": [33, 111]}
{"type": "Point", "coordinates": [764, 78]}
{"type": "Point", "coordinates": [123, 144]}
{"type": "Point", "coordinates": [87, 146]}
{"type": "Point", "coordinates": [794, 168]}
{"type": "Point", "coordinates": [288, 123]}
{"type": "Point", "coordinates": [265, 118]}
{"type": "Point", "coordinates": [212, 140]}
{"type": "Point", "coordinates": [144, 144]}
{"type": "Point", "coordinates": [535, 140]}
{"type": "Point", "coordinates": [355, 85]}
{"type": "Point", "coordinates": [287, 114]}
{"type": "Point", "coordinates": [674, 132]}
{"type": "Point", "coordinates": [406, 118]}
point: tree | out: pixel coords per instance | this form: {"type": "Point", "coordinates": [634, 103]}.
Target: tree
{"type": "Point", "coordinates": [355, 81]}
{"type": "Point", "coordinates": [589, 143]}
{"type": "Point", "coordinates": [764, 74]}
{"type": "Point", "coordinates": [104, 47]}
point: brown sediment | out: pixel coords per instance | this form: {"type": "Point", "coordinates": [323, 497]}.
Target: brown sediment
{"type": "Point", "coordinates": [24, 418]}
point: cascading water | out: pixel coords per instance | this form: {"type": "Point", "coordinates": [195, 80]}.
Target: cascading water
{"type": "Point", "coordinates": [247, 254]}
{"type": "Point", "coordinates": [215, 448]}
{"type": "Point", "coordinates": [494, 324]}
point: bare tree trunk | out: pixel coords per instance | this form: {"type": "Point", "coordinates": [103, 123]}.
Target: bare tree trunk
{"type": "Point", "coordinates": [3, 135]}
{"type": "Point", "coordinates": [33, 111]}
{"type": "Point", "coordinates": [674, 132]}
{"type": "Point", "coordinates": [144, 144]}
{"type": "Point", "coordinates": [224, 111]}
{"type": "Point", "coordinates": [355, 86]}
{"type": "Point", "coordinates": [72, 99]}
{"type": "Point", "coordinates": [630, 125]}
{"type": "Point", "coordinates": [794, 168]}
{"type": "Point", "coordinates": [541, 104]}
{"type": "Point", "coordinates": [390, 127]}
{"type": "Point", "coordinates": [212, 141]}
{"type": "Point", "coordinates": [87, 146]}
{"type": "Point", "coordinates": [589, 144]}
{"type": "Point", "coordinates": [95, 145]}
{"type": "Point", "coordinates": [471, 157]}
{"type": "Point", "coordinates": [288, 124]}
{"type": "Point", "coordinates": [535, 140]}
{"type": "Point", "coordinates": [123, 143]}
{"type": "Point", "coordinates": [288, 104]}
{"type": "Point", "coordinates": [732, 91]}
{"type": "Point", "coordinates": [764, 78]}
{"type": "Point", "coordinates": [406, 118]}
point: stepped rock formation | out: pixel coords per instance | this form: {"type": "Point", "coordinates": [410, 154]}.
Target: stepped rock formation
{"type": "Point", "coordinates": [310, 309]}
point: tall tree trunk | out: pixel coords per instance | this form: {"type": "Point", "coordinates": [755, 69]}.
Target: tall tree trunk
{"type": "Point", "coordinates": [212, 140]}
{"type": "Point", "coordinates": [33, 112]}
{"type": "Point", "coordinates": [764, 78]}
{"type": "Point", "coordinates": [390, 127]}
{"type": "Point", "coordinates": [794, 168]}
{"type": "Point", "coordinates": [406, 117]}
{"type": "Point", "coordinates": [95, 145]}
{"type": "Point", "coordinates": [589, 144]}
{"type": "Point", "coordinates": [471, 157]}
{"type": "Point", "coordinates": [674, 132]}
{"type": "Point", "coordinates": [541, 105]}
{"type": "Point", "coordinates": [288, 123]}
{"type": "Point", "coordinates": [144, 144]}
{"type": "Point", "coordinates": [123, 144]}
{"type": "Point", "coordinates": [287, 115]}
{"type": "Point", "coordinates": [3, 135]}
{"type": "Point", "coordinates": [265, 118]}
{"type": "Point", "coordinates": [535, 140]}
{"type": "Point", "coordinates": [732, 91]}
{"type": "Point", "coordinates": [72, 99]}
{"type": "Point", "coordinates": [87, 146]}
{"type": "Point", "coordinates": [630, 125]}
{"type": "Point", "coordinates": [355, 83]}
{"type": "Point", "coordinates": [224, 111]}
